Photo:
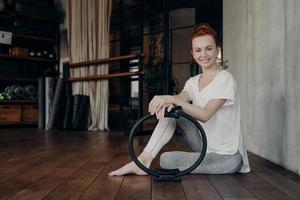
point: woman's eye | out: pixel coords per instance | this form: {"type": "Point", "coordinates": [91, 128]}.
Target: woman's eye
{"type": "Point", "coordinates": [209, 49]}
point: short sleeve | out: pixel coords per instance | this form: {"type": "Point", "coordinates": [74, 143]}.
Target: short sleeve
{"type": "Point", "coordinates": [188, 87]}
{"type": "Point", "coordinates": [225, 88]}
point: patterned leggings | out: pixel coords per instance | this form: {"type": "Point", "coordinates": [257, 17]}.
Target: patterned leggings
{"type": "Point", "coordinates": [212, 163]}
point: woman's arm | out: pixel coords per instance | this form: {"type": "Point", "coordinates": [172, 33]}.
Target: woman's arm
{"type": "Point", "coordinates": [159, 103]}
{"type": "Point", "coordinates": [201, 114]}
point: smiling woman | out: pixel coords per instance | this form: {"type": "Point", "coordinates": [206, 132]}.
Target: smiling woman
{"type": "Point", "coordinates": [215, 105]}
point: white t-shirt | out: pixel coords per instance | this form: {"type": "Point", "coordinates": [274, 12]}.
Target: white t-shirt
{"type": "Point", "coordinates": [223, 129]}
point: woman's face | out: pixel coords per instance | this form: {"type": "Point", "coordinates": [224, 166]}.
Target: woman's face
{"type": "Point", "coordinates": [205, 51]}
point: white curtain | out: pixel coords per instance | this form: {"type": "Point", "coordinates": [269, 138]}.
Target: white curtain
{"type": "Point", "coordinates": [88, 34]}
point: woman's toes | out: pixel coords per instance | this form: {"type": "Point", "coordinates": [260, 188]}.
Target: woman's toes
{"type": "Point", "coordinates": [130, 168]}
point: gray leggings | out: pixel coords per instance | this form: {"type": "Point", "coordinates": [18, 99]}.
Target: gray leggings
{"type": "Point", "coordinates": [212, 163]}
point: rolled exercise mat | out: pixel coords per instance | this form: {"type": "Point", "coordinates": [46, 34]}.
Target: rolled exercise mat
{"type": "Point", "coordinates": [7, 88]}
{"type": "Point", "coordinates": [59, 90]}
{"type": "Point", "coordinates": [49, 94]}
{"type": "Point", "coordinates": [67, 125]}
{"type": "Point", "coordinates": [11, 91]}
{"type": "Point", "coordinates": [20, 92]}
{"type": "Point", "coordinates": [41, 103]}
{"type": "Point", "coordinates": [80, 112]}
{"type": "Point", "coordinates": [30, 90]}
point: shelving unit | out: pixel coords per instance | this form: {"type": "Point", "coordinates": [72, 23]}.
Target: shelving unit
{"type": "Point", "coordinates": [34, 37]}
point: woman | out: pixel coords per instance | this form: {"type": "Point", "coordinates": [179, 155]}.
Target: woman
{"type": "Point", "coordinates": [216, 106]}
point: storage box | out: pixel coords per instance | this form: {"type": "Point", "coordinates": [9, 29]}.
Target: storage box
{"type": "Point", "coordinates": [5, 37]}
{"type": "Point", "coordinates": [18, 51]}
{"type": "Point", "coordinates": [30, 113]}
{"type": "Point", "coordinates": [10, 113]}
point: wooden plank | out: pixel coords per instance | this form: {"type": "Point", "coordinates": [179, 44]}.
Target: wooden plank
{"type": "Point", "coordinates": [24, 164]}
{"type": "Point", "coordinates": [13, 186]}
{"type": "Point", "coordinates": [252, 181]}
{"type": "Point", "coordinates": [93, 170]}
{"type": "Point", "coordinates": [283, 180]}
{"type": "Point", "coordinates": [289, 187]}
{"type": "Point", "coordinates": [11, 149]}
{"type": "Point", "coordinates": [106, 187]}
{"type": "Point", "coordinates": [270, 194]}
{"type": "Point", "coordinates": [240, 199]}
{"type": "Point", "coordinates": [105, 76]}
{"type": "Point", "coordinates": [76, 185]}
{"type": "Point", "coordinates": [167, 191]}
{"type": "Point", "coordinates": [104, 60]}
{"type": "Point", "coordinates": [9, 154]}
{"type": "Point", "coordinates": [43, 186]}
{"type": "Point", "coordinates": [135, 187]}
{"type": "Point", "coordinates": [198, 187]}
{"type": "Point", "coordinates": [20, 166]}
{"type": "Point", "coordinates": [262, 164]}
{"type": "Point", "coordinates": [228, 187]}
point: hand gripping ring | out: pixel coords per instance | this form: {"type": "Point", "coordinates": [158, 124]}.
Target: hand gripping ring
{"type": "Point", "coordinates": [167, 174]}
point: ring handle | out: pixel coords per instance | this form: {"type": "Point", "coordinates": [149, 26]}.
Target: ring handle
{"type": "Point", "coordinates": [168, 174]}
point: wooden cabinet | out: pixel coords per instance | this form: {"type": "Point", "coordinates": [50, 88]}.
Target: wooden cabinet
{"type": "Point", "coordinates": [18, 112]}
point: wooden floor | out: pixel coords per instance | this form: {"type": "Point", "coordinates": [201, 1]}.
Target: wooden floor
{"type": "Point", "coordinates": [74, 165]}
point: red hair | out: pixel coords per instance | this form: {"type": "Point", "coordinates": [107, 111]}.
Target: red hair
{"type": "Point", "coordinates": [205, 29]}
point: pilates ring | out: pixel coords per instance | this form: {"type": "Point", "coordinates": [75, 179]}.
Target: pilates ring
{"type": "Point", "coordinates": [161, 174]}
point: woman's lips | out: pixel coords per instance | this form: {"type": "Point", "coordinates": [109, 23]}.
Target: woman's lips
{"type": "Point", "coordinates": [205, 60]}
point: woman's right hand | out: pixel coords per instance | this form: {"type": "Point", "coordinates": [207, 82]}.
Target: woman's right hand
{"type": "Point", "coordinates": [161, 113]}
{"type": "Point", "coordinates": [159, 104]}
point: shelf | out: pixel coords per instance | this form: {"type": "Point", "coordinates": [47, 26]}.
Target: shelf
{"type": "Point", "coordinates": [34, 37]}
{"type": "Point", "coordinates": [27, 58]}
{"type": "Point", "coordinates": [10, 14]}
{"type": "Point", "coordinates": [18, 123]}
{"type": "Point", "coordinates": [19, 79]}
{"type": "Point", "coordinates": [18, 102]}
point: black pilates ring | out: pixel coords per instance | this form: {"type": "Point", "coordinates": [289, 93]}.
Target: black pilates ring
{"type": "Point", "coordinates": [167, 174]}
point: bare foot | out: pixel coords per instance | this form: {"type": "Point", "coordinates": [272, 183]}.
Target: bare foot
{"type": "Point", "coordinates": [130, 168]}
